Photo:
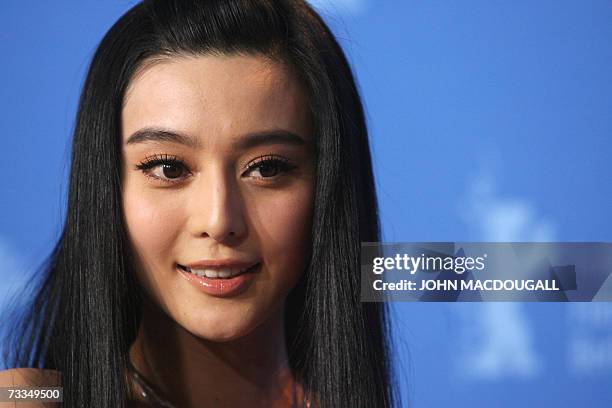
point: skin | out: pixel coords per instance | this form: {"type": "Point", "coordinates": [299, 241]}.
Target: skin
{"type": "Point", "coordinates": [198, 349]}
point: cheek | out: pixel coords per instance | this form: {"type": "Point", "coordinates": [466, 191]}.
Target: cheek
{"type": "Point", "coordinates": [283, 226]}
{"type": "Point", "coordinates": [152, 225]}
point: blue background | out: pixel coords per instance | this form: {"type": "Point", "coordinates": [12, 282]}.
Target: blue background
{"type": "Point", "coordinates": [489, 121]}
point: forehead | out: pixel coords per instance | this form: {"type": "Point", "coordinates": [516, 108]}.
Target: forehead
{"type": "Point", "coordinates": [212, 95]}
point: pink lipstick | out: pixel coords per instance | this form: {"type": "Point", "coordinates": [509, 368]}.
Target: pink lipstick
{"type": "Point", "coordinates": [220, 278]}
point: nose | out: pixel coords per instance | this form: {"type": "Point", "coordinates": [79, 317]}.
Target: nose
{"type": "Point", "coordinates": [216, 208]}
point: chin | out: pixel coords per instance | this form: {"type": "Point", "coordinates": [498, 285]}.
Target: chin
{"type": "Point", "coordinates": [220, 328]}
{"type": "Point", "coordinates": [220, 336]}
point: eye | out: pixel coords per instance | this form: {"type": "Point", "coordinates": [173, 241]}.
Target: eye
{"type": "Point", "coordinates": [266, 167]}
{"type": "Point", "coordinates": [169, 169]}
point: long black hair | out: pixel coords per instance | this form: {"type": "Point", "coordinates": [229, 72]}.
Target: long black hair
{"type": "Point", "coordinates": [86, 311]}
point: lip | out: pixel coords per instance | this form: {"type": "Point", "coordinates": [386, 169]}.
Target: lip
{"type": "Point", "coordinates": [222, 287]}
{"type": "Point", "coordinates": [220, 263]}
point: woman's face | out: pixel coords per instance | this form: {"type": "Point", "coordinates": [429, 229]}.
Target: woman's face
{"type": "Point", "coordinates": [218, 177]}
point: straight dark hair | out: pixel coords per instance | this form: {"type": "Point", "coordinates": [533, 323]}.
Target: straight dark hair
{"type": "Point", "coordinates": [86, 312]}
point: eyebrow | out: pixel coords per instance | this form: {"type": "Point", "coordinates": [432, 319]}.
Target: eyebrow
{"type": "Point", "coordinates": [245, 142]}
{"type": "Point", "coordinates": [161, 135]}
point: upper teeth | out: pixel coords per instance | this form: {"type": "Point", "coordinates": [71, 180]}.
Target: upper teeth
{"type": "Point", "coordinates": [217, 272]}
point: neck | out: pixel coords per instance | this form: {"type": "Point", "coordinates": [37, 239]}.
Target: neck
{"type": "Point", "coordinates": [193, 372]}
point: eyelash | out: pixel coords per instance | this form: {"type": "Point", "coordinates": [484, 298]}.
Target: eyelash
{"type": "Point", "coordinates": [282, 164]}
{"type": "Point", "coordinates": [151, 162]}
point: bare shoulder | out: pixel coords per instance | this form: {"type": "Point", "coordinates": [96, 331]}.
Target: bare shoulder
{"type": "Point", "coordinates": [32, 377]}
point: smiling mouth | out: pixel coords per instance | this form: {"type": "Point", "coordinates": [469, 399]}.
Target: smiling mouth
{"type": "Point", "coordinates": [219, 272]}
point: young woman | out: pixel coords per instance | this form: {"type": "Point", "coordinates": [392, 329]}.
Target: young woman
{"type": "Point", "coordinates": [220, 187]}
